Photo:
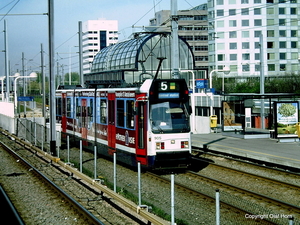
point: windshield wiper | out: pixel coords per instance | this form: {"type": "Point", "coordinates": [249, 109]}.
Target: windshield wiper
{"type": "Point", "coordinates": [157, 126]}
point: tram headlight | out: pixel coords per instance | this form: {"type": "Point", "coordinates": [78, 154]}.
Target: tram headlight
{"type": "Point", "coordinates": [157, 145]}
{"type": "Point", "coordinates": [160, 145]}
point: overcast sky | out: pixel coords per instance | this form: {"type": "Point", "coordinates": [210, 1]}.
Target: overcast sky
{"type": "Point", "coordinates": [27, 32]}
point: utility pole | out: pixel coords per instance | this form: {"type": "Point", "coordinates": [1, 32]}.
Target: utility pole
{"type": "Point", "coordinates": [174, 46]}
{"type": "Point", "coordinates": [52, 78]}
{"type": "Point", "coordinates": [80, 52]}
{"type": "Point", "coordinates": [262, 83]}
{"type": "Point", "coordinates": [70, 62]}
{"type": "Point", "coordinates": [43, 83]}
{"type": "Point", "coordinates": [23, 74]}
{"type": "Point", "coordinates": [6, 61]}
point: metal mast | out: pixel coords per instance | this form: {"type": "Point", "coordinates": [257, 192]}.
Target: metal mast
{"type": "Point", "coordinates": [52, 78]}
{"type": "Point", "coordinates": [262, 83]}
{"type": "Point", "coordinates": [175, 49]}
{"type": "Point", "coordinates": [6, 62]}
{"type": "Point", "coordinates": [80, 53]}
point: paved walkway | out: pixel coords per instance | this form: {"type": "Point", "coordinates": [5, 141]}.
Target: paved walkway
{"type": "Point", "coordinates": [266, 149]}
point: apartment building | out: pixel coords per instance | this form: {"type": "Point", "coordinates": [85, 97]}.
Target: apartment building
{"type": "Point", "coordinates": [97, 34]}
{"type": "Point", "coordinates": [192, 27]}
{"type": "Point", "coordinates": [237, 29]}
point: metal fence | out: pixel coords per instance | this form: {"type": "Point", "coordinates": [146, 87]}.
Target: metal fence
{"type": "Point", "coordinates": [33, 130]}
{"type": "Point", "coordinates": [36, 131]}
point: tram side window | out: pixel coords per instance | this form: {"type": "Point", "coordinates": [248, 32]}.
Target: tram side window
{"type": "Point", "coordinates": [68, 107]}
{"type": "Point", "coordinates": [91, 110]}
{"type": "Point", "coordinates": [103, 111]}
{"type": "Point", "coordinates": [130, 114]}
{"type": "Point", "coordinates": [58, 106]}
{"type": "Point", "coordinates": [78, 113]}
{"type": "Point", "coordinates": [120, 113]}
{"type": "Point", "coordinates": [78, 110]}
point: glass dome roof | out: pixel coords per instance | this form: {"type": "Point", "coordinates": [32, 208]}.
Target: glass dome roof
{"type": "Point", "coordinates": [129, 59]}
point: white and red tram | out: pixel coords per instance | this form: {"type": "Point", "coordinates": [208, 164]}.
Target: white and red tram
{"type": "Point", "coordinates": [149, 124]}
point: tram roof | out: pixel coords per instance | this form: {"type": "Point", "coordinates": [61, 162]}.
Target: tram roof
{"type": "Point", "coordinates": [143, 53]}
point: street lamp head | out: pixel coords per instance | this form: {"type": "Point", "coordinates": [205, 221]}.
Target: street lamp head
{"type": "Point", "coordinates": [226, 70]}
{"type": "Point", "coordinates": [33, 75]}
{"type": "Point", "coordinates": [16, 75]}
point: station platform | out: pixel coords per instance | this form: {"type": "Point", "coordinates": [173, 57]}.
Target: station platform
{"type": "Point", "coordinates": [264, 149]}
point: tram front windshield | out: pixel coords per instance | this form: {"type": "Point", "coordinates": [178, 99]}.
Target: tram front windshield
{"type": "Point", "coordinates": [169, 117]}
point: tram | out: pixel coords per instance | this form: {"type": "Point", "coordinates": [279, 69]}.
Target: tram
{"type": "Point", "coordinates": [147, 124]}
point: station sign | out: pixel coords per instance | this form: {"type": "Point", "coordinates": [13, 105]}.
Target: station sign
{"type": "Point", "coordinates": [25, 98]}
{"type": "Point", "coordinates": [210, 90]}
{"type": "Point", "coordinates": [201, 83]}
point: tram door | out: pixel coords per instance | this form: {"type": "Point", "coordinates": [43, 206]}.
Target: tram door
{"type": "Point", "coordinates": [64, 113]}
{"type": "Point", "coordinates": [141, 147]}
{"type": "Point", "coordinates": [111, 127]}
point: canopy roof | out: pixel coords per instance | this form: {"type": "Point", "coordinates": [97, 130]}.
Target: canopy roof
{"type": "Point", "coordinates": [143, 53]}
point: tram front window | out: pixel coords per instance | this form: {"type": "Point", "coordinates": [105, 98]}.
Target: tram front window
{"type": "Point", "coordinates": [169, 117]}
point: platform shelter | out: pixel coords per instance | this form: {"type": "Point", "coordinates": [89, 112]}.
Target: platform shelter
{"type": "Point", "coordinates": [242, 114]}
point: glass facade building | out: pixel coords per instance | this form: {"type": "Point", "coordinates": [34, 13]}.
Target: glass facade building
{"type": "Point", "coordinates": [235, 27]}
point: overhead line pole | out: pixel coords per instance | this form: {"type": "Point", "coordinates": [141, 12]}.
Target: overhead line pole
{"type": "Point", "coordinates": [174, 33]}
{"type": "Point", "coordinates": [43, 82]}
{"type": "Point", "coordinates": [6, 62]}
{"type": "Point", "coordinates": [80, 52]}
{"type": "Point", "coordinates": [262, 82]}
{"type": "Point", "coordinates": [52, 78]}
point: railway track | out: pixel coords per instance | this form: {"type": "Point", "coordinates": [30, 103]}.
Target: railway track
{"type": "Point", "coordinates": [209, 198]}
{"type": "Point", "coordinates": [275, 209]}
{"type": "Point", "coordinates": [229, 206]}
{"type": "Point", "coordinates": [275, 184]}
{"type": "Point", "coordinates": [106, 195]}
{"type": "Point", "coordinates": [51, 190]}
{"type": "Point", "coordinates": [273, 205]}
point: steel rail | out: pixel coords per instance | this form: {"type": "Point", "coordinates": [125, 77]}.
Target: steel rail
{"type": "Point", "coordinates": [131, 205]}
{"type": "Point", "coordinates": [190, 190]}
{"type": "Point", "coordinates": [88, 215]}
{"type": "Point", "coordinates": [287, 206]}
{"type": "Point", "coordinates": [11, 214]}
{"type": "Point", "coordinates": [272, 180]}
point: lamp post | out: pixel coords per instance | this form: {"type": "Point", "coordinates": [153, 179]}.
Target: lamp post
{"type": "Point", "coordinates": [193, 102]}
{"type": "Point", "coordinates": [17, 75]}
{"type": "Point", "coordinates": [225, 70]}
{"type": "Point", "coordinates": [2, 79]}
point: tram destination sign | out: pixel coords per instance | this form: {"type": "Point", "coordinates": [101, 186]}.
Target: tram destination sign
{"type": "Point", "coordinates": [163, 95]}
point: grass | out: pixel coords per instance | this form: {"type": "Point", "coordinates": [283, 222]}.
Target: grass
{"type": "Point", "coordinates": [132, 197]}
{"type": "Point", "coordinates": [289, 129]}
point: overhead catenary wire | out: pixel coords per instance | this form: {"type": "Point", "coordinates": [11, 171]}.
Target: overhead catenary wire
{"type": "Point", "coordinates": [9, 9]}
{"type": "Point", "coordinates": [146, 13]}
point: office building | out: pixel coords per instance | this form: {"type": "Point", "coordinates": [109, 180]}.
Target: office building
{"type": "Point", "coordinates": [237, 29]}
{"type": "Point", "coordinates": [192, 27]}
{"type": "Point", "coordinates": [97, 34]}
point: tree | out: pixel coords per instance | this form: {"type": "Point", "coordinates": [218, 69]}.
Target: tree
{"type": "Point", "coordinates": [75, 79]}
{"type": "Point", "coordinates": [287, 109]}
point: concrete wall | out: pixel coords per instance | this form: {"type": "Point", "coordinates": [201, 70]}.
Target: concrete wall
{"type": "Point", "coordinates": [202, 124]}
{"type": "Point", "coordinates": [7, 116]}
